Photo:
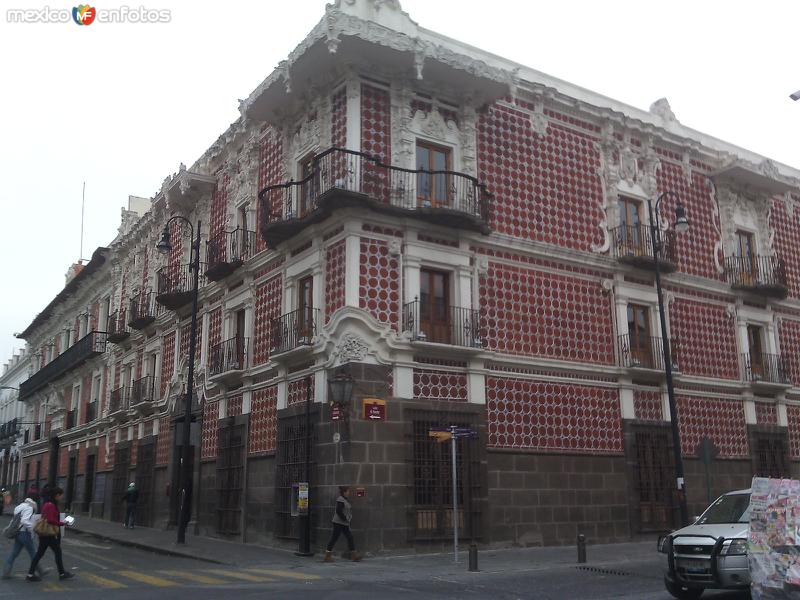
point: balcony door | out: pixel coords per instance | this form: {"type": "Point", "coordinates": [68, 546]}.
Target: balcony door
{"type": "Point", "coordinates": [755, 345]}
{"type": "Point", "coordinates": [240, 337]}
{"type": "Point", "coordinates": [305, 308]}
{"type": "Point", "coordinates": [631, 236]}
{"type": "Point", "coordinates": [746, 257]}
{"type": "Point", "coordinates": [432, 188]}
{"type": "Point", "coordinates": [306, 169]}
{"type": "Point", "coordinates": [434, 307]}
{"type": "Point", "coordinates": [641, 348]}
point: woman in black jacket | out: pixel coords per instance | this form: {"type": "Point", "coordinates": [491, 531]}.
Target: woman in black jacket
{"type": "Point", "coordinates": [341, 525]}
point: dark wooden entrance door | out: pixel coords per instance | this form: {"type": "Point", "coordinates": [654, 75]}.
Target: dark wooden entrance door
{"type": "Point", "coordinates": [71, 481]}
{"type": "Point", "coordinates": [88, 484]}
{"type": "Point", "coordinates": [653, 469]}
{"type": "Point", "coordinates": [119, 483]}
{"type": "Point", "coordinates": [145, 463]}
{"type": "Point", "coordinates": [230, 478]}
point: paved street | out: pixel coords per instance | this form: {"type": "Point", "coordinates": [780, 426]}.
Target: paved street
{"type": "Point", "coordinates": [111, 571]}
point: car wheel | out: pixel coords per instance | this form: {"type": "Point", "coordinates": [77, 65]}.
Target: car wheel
{"type": "Point", "coordinates": [682, 593]}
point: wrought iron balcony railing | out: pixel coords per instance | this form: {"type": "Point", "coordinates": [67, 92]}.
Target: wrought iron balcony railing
{"type": "Point", "coordinates": [142, 390]}
{"type": "Point", "coordinates": [118, 400]}
{"type": "Point", "coordinates": [443, 197]}
{"type": "Point", "coordinates": [227, 251]}
{"type": "Point", "coordinates": [142, 310]}
{"type": "Point", "coordinates": [646, 352]}
{"type": "Point", "coordinates": [85, 348]}
{"type": "Point", "coordinates": [117, 327]}
{"type": "Point", "coordinates": [452, 325]}
{"type": "Point", "coordinates": [633, 244]}
{"type": "Point", "coordinates": [230, 355]}
{"type": "Point", "coordinates": [293, 330]}
{"type": "Point", "coordinates": [175, 283]}
{"type": "Point", "coordinates": [760, 274]}
{"type": "Point", "coordinates": [765, 368]}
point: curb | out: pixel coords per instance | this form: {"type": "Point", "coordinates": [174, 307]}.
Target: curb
{"type": "Point", "coordinates": [148, 547]}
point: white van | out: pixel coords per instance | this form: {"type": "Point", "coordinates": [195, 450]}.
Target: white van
{"type": "Point", "coordinates": [711, 553]}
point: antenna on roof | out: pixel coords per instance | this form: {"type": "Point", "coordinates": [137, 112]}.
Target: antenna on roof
{"type": "Point", "coordinates": [83, 201]}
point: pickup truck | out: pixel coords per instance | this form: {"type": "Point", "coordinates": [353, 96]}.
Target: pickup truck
{"type": "Point", "coordinates": [711, 553]}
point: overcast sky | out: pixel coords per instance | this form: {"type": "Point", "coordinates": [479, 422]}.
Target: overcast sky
{"type": "Point", "coordinates": [120, 106]}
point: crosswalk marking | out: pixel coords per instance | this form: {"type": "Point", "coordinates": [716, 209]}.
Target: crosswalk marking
{"type": "Point", "coordinates": [287, 574]}
{"type": "Point", "coordinates": [102, 581]}
{"type": "Point", "coordinates": [148, 579]}
{"type": "Point", "coordinates": [242, 576]}
{"type": "Point", "coordinates": [195, 577]}
{"type": "Point", "coordinates": [53, 587]}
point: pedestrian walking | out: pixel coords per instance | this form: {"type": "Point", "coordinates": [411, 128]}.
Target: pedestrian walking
{"type": "Point", "coordinates": [130, 499]}
{"type": "Point", "coordinates": [23, 538]}
{"type": "Point", "coordinates": [48, 528]}
{"type": "Point", "coordinates": [341, 525]}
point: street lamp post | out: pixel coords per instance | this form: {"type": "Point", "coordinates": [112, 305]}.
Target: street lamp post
{"type": "Point", "coordinates": [681, 224]}
{"type": "Point", "coordinates": [164, 246]}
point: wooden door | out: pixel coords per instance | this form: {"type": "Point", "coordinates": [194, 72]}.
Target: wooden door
{"type": "Point", "coordinates": [305, 306]}
{"type": "Point", "coordinates": [433, 189]}
{"type": "Point", "coordinates": [639, 335]}
{"type": "Point", "coordinates": [631, 238]}
{"type": "Point", "coordinates": [434, 308]}
{"type": "Point", "coordinates": [240, 339]}
{"type": "Point", "coordinates": [747, 264]}
{"type": "Point", "coordinates": [755, 350]}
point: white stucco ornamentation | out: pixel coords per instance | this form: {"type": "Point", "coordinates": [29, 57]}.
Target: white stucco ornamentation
{"type": "Point", "coordinates": [352, 348]}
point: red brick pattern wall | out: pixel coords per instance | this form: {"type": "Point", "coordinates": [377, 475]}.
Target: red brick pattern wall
{"type": "Point", "coordinates": [722, 421]}
{"type": "Point", "coordinates": [563, 417]}
{"type": "Point", "coordinates": [270, 172]}
{"type": "Point", "coordinates": [86, 396]}
{"type": "Point", "coordinates": [705, 337]}
{"type": "Point", "coordinates": [339, 119]}
{"type": "Point", "coordinates": [379, 281]}
{"type": "Point", "coordinates": [695, 248]}
{"type": "Point", "coordinates": [534, 313]}
{"type": "Point", "coordinates": [263, 420]}
{"type": "Point", "coordinates": [102, 464]}
{"type": "Point", "coordinates": [186, 333]}
{"type": "Point", "coordinates": [176, 240]}
{"type": "Point", "coordinates": [297, 391]}
{"type": "Point", "coordinates": [793, 418]}
{"type": "Point", "coordinates": [440, 385]}
{"type": "Point", "coordinates": [214, 328]}
{"type": "Point", "coordinates": [787, 241]}
{"type": "Point", "coordinates": [376, 139]}
{"type": "Point", "coordinates": [766, 413]}
{"type": "Point", "coordinates": [167, 361]}
{"type": "Point", "coordinates": [219, 205]}
{"type": "Point", "coordinates": [63, 462]}
{"type": "Point", "coordinates": [164, 441]}
{"type": "Point", "coordinates": [647, 405]}
{"type": "Point", "coordinates": [335, 266]}
{"type": "Point", "coordinates": [210, 429]}
{"type": "Point", "coordinates": [103, 392]}
{"type": "Point", "coordinates": [145, 267]}
{"type": "Point", "coordinates": [94, 314]}
{"type": "Point", "coordinates": [269, 296]}
{"type": "Point", "coordinates": [789, 337]}
{"type": "Point", "coordinates": [545, 188]}
{"type": "Point", "coordinates": [235, 406]}
{"type": "Point", "coordinates": [123, 293]}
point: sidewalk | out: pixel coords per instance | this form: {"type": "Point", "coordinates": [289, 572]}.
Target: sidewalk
{"type": "Point", "coordinates": [623, 556]}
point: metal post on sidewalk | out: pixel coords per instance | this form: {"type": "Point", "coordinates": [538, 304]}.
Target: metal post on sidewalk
{"type": "Point", "coordinates": [455, 493]}
{"type": "Point", "coordinates": [581, 548]}
{"type": "Point", "coordinates": [473, 557]}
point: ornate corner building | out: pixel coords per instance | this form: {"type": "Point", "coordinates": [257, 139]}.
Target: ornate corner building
{"type": "Point", "coordinates": [469, 239]}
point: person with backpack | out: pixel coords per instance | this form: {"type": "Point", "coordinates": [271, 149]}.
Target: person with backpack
{"type": "Point", "coordinates": [48, 528]}
{"type": "Point", "coordinates": [341, 525]}
{"type": "Point", "coordinates": [130, 499]}
{"type": "Point", "coordinates": [20, 529]}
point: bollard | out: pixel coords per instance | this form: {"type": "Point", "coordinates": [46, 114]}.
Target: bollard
{"type": "Point", "coordinates": [581, 548]}
{"type": "Point", "coordinates": [473, 557]}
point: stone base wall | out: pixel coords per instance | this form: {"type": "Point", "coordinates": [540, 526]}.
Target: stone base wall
{"type": "Point", "coordinates": [259, 513]}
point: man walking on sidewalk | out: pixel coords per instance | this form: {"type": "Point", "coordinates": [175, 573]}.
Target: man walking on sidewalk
{"type": "Point", "coordinates": [131, 498]}
{"type": "Point", "coordinates": [24, 535]}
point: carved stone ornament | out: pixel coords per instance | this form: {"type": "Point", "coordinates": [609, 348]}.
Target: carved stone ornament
{"type": "Point", "coordinates": [539, 122]}
{"type": "Point", "coordinates": [662, 109]}
{"type": "Point", "coordinates": [482, 264]}
{"type": "Point", "coordinates": [789, 201]}
{"type": "Point", "coordinates": [352, 348]}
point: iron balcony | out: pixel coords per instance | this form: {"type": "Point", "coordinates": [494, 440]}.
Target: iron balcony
{"type": "Point", "coordinates": [456, 326]}
{"type": "Point", "coordinates": [763, 275]}
{"type": "Point", "coordinates": [227, 251]}
{"type": "Point", "coordinates": [633, 245]}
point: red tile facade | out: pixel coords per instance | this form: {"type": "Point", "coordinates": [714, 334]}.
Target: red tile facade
{"type": "Point", "coordinates": [335, 266]}
{"type": "Point", "coordinates": [705, 338]}
{"type": "Point", "coordinates": [647, 405]}
{"type": "Point", "coordinates": [263, 420]}
{"type": "Point", "coordinates": [339, 119]}
{"type": "Point", "coordinates": [298, 391]}
{"type": "Point", "coordinates": [167, 361]}
{"type": "Point", "coordinates": [219, 205]}
{"type": "Point", "coordinates": [440, 385]}
{"type": "Point", "coordinates": [722, 421]}
{"type": "Point", "coordinates": [268, 306]}
{"type": "Point", "coordinates": [270, 172]}
{"type": "Point", "coordinates": [787, 240]}
{"type": "Point", "coordinates": [379, 282]}
{"type": "Point", "coordinates": [766, 413]}
{"type": "Point", "coordinates": [164, 442]}
{"type": "Point", "coordinates": [210, 429]}
{"type": "Point", "coordinates": [562, 417]}
{"type": "Point", "coordinates": [534, 313]}
{"type": "Point", "coordinates": [789, 333]}
{"type": "Point", "coordinates": [376, 139]}
{"type": "Point", "coordinates": [235, 406]}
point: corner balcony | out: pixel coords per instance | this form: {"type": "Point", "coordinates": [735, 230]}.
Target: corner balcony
{"type": "Point", "coordinates": [762, 275]}
{"type": "Point", "coordinates": [117, 327]}
{"type": "Point", "coordinates": [175, 285]}
{"type": "Point", "coordinates": [142, 394]}
{"type": "Point", "coordinates": [644, 355]}
{"type": "Point", "coordinates": [293, 332]}
{"type": "Point", "coordinates": [118, 404]}
{"type": "Point", "coordinates": [227, 251]}
{"type": "Point", "coordinates": [632, 245]}
{"type": "Point", "coordinates": [228, 359]}
{"type": "Point", "coordinates": [85, 348]}
{"type": "Point", "coordinates": [142, 311]}
{"type": "Point", "coordinates": [767, 371]}
{"type": "Point", "coordinates": [344, 178]}
{"type": "Point", "coordinates": [456, 326]}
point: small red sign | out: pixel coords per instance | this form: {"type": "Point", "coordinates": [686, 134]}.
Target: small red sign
{"type": "Point", "coordinates": [336, 412]}
{"type": "Point", "coordinates": [374, 409]}
{"type": "Point", "coordinates": [360, 492]}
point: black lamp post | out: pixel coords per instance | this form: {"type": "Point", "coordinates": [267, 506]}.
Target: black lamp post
{"type": "Point", "coordinates": [681, 225]}
{"type": "Point", "coordinates": [164, 246]}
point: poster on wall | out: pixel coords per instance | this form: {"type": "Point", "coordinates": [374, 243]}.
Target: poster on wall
{"type": "Point", "coordinates": [774, 557]}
